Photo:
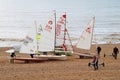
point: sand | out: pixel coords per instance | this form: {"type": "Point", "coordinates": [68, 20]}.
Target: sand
{"type": "Point", "coordinates": [72, 69]}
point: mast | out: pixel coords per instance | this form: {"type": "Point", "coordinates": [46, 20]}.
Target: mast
{"type": "Point", "coordinates": [55, 30]}
{"type": "Point", "coordinates": [36, 34]}
{"type": "Point", "coordinates": [92, 29]}
{"type": "Point", "coordinates": [65, 30]}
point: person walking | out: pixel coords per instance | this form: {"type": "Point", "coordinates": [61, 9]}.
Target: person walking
{"type": "Point", "coordinates": [98, 50]}
{"type": "Point", "coordinates": [95, 62]}
{"type": "Point", "coordinates": [115, 52]}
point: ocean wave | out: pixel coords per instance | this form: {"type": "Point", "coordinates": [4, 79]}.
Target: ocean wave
{"type": "Point", "coordinates": [110, 38]}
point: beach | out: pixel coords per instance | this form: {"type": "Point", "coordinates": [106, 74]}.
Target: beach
{"type": "Point", "coordinates": [40, 25]}
{"type": "Point", "coordinates": [71, 69]}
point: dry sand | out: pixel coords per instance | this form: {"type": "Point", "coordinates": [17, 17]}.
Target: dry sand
{"type": "Point", "coordinates": [72, 69]}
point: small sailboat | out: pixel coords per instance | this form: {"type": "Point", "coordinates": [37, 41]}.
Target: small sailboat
{"type": "Point", "coordinates": [63, 41]}
{"type": "Point", "coordinates": [29, 46]}
{"type": "Point", "coordinates": [85, 40]}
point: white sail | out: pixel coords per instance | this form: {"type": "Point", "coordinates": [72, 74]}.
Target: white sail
{"type": "Point", "coordinates": [85, 39]}
{"type": "Point", "coordinates": [29, 45]}
{"type": "Point", "coordinates": [47, 40]}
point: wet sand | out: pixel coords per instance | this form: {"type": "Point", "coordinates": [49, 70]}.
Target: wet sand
{"type": "Point", "coordinates": [72, 69]}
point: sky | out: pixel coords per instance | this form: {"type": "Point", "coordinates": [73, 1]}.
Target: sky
{"type": "Point", "coordinates": [22, 13]}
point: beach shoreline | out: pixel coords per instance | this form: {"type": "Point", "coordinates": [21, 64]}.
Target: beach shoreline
{"type": "Point", "coordinates": [72, 69]}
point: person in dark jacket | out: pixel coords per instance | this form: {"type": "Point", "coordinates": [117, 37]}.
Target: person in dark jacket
{"type": "Point", "coordinates": [115, 52]}
{"type": "Point", "coordinates": [98, 50]}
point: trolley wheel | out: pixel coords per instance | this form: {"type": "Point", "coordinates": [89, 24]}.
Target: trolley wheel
{"type": "Point", "coordinates": [104, 55]}
{"type": "Point", "coordinates": [89, 64]}
{"type": "Point", "coordinates": [103, 64]}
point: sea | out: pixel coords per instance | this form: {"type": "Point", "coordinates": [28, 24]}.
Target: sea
{"type": "Point", "coordinates": [15, 24]}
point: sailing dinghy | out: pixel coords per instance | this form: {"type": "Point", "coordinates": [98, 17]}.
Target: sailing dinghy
{"type": "Point", "coordinates": [29, 46]}
{"type": "Point", "coordinates": [63, 41]}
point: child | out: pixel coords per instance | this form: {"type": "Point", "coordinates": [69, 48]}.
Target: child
{"type": "Point", "coordinates": [95, 62]}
